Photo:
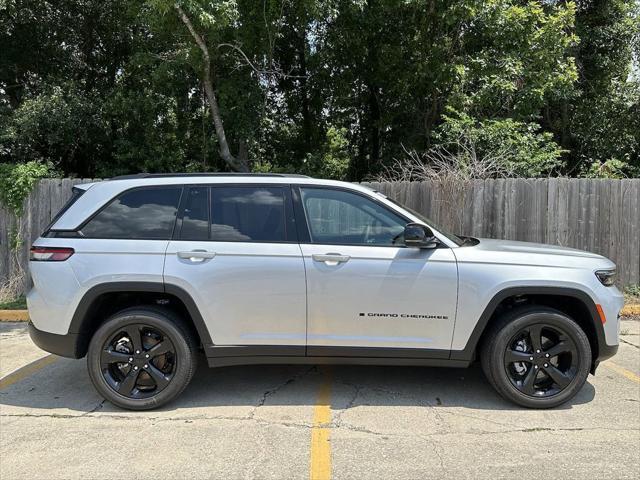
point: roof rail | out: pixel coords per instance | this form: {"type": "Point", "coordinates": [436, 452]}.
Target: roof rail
{"type": "Point", "coordinates": [205, 174]}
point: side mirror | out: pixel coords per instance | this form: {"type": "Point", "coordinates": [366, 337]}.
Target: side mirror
{"type": "Point", "coordinates": [419, 236]}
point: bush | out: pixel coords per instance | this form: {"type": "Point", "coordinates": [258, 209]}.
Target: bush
{"type": "Point", "coordinates": [521, 148]}
{"type": "Point", "coordinates": [17, 181]}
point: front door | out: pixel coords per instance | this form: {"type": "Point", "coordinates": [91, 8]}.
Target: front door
{"type": "Point", "coordinates": [367, 293]}
{"type": "Point", "coordinates": [235, 252]}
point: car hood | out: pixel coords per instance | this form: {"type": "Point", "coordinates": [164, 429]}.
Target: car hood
{"type": "Point", "coordinates": [507, 252]}
{"type": "Point", "coordinates": [532, 248]}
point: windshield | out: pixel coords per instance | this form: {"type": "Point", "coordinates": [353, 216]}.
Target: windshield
{"type": "Point", "coordinates": [454, 238]}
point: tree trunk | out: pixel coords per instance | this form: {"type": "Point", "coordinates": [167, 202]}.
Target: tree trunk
{"type": "Point", "coordinates": [306, 116]}
{"type": "Point", "coordinates": [374, 132]}
{"type": "Point", "coordinates": [236, 164]}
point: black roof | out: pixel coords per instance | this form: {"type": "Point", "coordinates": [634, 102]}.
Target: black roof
{"type": "Point", "coordinates": [205, 174]}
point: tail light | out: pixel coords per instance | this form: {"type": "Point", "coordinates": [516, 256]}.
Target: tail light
{"type": "Point", "coordinates": [50, 254]}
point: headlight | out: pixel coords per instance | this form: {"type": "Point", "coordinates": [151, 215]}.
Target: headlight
{"type": "Point", "coordinates": [606, 277]}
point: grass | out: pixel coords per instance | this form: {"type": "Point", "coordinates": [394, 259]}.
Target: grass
{"type": "Point", "coordinates": [632, 294]}
{"type": "Point", "coordinates": [19, 303]}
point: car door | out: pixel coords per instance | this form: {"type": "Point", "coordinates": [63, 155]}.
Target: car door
{"type": "Point", "coordinates": [236, 253]}
{"type": "Point", "coordinates": [368, 294]}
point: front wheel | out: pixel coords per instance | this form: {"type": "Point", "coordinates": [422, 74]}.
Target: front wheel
{"type": "Point", "coordinates": [536, 357]}
{"type": "Point", "coordinates": [142, 358]}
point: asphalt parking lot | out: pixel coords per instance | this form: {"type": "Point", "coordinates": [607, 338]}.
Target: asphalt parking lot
{"type": "Point", "coordinates": [294, 422]}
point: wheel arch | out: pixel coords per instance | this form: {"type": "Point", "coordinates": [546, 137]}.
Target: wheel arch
{"type": "Point", "coordinates": [576, 303]}
{"type": "Point", "coordinates": [98, 303]}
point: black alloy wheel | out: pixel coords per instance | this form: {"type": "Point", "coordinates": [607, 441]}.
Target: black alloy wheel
{"type": "Point", "coordinates": [138, 362]}
{"type": "Point", "coordinates": [536, 356]}
{"type": "Point", "coordinates": [541, 360]}
{"type": "Point", "coordinates": [142, 357]}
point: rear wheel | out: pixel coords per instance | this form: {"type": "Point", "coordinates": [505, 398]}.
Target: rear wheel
{"type": "Point", "coordinates": [536, 357]}
{"type": "Point", "coordinates": [142, 358]}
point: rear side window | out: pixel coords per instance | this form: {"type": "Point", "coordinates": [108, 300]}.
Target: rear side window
{"type": "Point", "coordinates": [143, 213]}
{"type": "Point", "coordinates": [248, 214]}
{"type": "Point", "coordinates": [76, 193]}
{"type": "Point", "coordinates": [195, 216]}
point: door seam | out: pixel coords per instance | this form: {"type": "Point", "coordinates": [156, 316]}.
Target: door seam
{"type": "Point", "coordinates": [306, 302]}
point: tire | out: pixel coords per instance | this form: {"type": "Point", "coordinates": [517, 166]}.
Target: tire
{"type": "Point", "coordinates": [157, 374]}
{"type": "Point", "coordinates": [536, 377]}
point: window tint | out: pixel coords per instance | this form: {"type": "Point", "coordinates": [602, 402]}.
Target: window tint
{"type": "Point", "coordinates": [76, 193]}
{"type": "Point", "coordinates": [340, 217]}
{"type": "Point", "coordinates": [195, 219]}
{"type": "Point", "coordinates": [144, 213]}
{"type": "Point", "coordinates": [246, 214]}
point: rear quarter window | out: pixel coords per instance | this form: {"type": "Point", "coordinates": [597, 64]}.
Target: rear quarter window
{"type": "Point", "coordinates": [144, 213]}
{"type": "Point", "coordinates": [76, 193]}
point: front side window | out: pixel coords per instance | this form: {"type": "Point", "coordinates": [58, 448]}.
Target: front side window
{"type": "Point", "coordinates": [345, 218]}
{"type": "Point", "coordinates": [143, 213]}
{"type": "Point", "coordinates": [247, 214]}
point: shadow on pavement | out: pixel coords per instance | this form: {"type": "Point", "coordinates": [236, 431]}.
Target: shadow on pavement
{"type": "Point", "coordinates": [10, 328]}
{"type": "Point", "coordinates": [66, 385]}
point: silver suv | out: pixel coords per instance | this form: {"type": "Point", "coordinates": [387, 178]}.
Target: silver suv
{"type": "Point", "coordinates": [141, 272]}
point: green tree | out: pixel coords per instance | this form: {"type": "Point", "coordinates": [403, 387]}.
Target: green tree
{"type": "Point", "coordinates": [517, 148]}
{"type": "Point", "coordinates": [604, 120]}
{"type": "Point", "coordinates": [102, 87]}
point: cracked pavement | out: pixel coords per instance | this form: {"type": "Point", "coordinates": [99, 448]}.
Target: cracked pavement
{"type": "Point", "coordinates": [256, 421]}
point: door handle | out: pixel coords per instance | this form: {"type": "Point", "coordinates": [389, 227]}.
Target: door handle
{"type": "Point", "coordinates": [196, 256]}
{"type": "Point", "coordinates": [330, 258]}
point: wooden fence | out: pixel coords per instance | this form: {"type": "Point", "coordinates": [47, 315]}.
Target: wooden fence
{"type": "Point", "coordinates": [40, 207]}
{"type": "Point", "coordinates": [601, 216]}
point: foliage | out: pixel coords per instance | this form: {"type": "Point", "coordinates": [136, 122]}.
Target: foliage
{"type": "Point", "coordinates": [520, 147]}
{"type": "Point", "coordinates": [332, 160]}
{"type": "Point", "coordinates": [17, 181]}
{"type": "Point", "coordinates": [60, 126]}
{"type": "Point", "coordinates": [467, 149]}
{"type": "Point", "coordinates": [19, 303]}
{"type": "Point", "coordinates": [607, 131]}
{"type": "Point", "coordinates": [516, 56]}
{"type": "Point", "coordinates": [632, 293]}
{"type": "Point", "coordinates": [611, 169]}
{"type": "Point", "coordinates": [601, 123]}
{"type": "Point", "coordinates": [337, 88]}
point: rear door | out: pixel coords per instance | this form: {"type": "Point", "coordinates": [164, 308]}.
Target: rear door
{"type": "Point", "coordinates": [235, 251]}
{"type": "Point", "coordinates": [368, 294]}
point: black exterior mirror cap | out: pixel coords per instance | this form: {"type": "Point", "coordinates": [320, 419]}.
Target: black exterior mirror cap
{"type": "Point", "coordinates": [417, 235]}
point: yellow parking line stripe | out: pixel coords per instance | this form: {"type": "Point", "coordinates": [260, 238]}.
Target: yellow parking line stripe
{"type": "Point", "coordinates": [622, 371]}
{"type": "Point", "coordinates": [27, 370]}
{"type": "Point", "coordinates": [320, 468]}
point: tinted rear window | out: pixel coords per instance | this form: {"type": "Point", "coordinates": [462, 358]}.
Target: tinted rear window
{"type": "Point", "coordinates": [76, 193]}
{"type": "Point", "coordinates": [195, 217]}
{"type": "Point", "coordinates": [247, 214]}
{"type": "Point", "coordinates": [143, 213]}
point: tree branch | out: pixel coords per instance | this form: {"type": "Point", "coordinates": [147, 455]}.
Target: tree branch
{"type": "Point", "coordinates": [239, 165]}
{"type": "Point", "coordinates": [196, 36]}
{"type": "Point", "coordinates": [275, 72]}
